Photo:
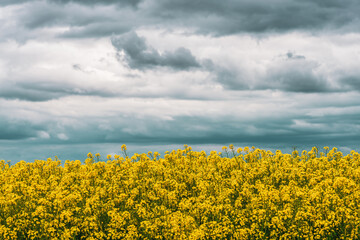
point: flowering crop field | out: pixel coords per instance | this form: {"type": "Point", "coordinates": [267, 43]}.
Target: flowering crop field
{"type": "Point", "coordinates": [237, 194]}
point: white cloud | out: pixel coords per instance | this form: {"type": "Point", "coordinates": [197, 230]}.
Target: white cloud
{"type": "Point", "coordinates": [63, 136]}
{"type": "Point", "coordinates": [44, 135]}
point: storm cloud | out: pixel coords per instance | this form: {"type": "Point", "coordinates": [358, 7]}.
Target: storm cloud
{"type": "Point", "coordinates": [94, 2]}
{"type": "Point", "coordinates": [84, 2]}
{"type": "Point", "coordinates": [105, 18]}
{"type": "Point", "coordinates": [15, 131]}
{"type": "Point", "coordinates": [160, 73]}
{"type": "Point", "coordinates": [231, 17]}
{"type": "Point", "coordinates": [141, 56]}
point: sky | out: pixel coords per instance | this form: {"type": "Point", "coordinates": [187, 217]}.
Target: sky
{"type": "Point", "coordinates": [84, 75]}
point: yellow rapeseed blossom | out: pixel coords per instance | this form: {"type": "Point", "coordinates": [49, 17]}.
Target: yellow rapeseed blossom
{"type": "Point", "coordinates": [249, 193]}
{"type": "Point", "coordinates": [123, 147]}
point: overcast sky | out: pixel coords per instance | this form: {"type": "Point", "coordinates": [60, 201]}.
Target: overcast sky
{"type": "Point", "coordinates": [79, 75]}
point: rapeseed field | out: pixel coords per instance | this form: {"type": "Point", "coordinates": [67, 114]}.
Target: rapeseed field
{"type": "Point", "coordinates": [236, 194]}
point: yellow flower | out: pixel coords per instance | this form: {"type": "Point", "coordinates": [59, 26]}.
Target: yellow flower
{"type": "Point", "coordinates": [123, 147]}
{"type": "Point", "coordinates": [184, 195]}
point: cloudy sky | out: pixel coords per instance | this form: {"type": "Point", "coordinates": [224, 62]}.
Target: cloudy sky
{"type": "Point", "coordinates": [79, 75]}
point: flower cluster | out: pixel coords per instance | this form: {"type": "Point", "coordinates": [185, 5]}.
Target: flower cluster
{"type": "Point", "coordinates": [236, 194]}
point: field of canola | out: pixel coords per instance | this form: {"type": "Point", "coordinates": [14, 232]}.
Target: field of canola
{"type": "Point", "coordinates": [237, 194]}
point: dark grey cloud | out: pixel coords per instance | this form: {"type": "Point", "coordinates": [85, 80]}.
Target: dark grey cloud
{"type": "Point", "coordinates": [204, 16]}
{"type": "Point", "coordinates": [296, 74]}
{"type": "Point", "coordinates": [180, 130]}
{"type": "Point", "coordinates": [139, 55]}
{"type": "Point", "coordinates": [292, 128]}
{"type": "Point", "coordinates": [72, 20]}
{"type": "Point", "coordinates": [82, 21]}
{"type": "Point", "coordinates": [231, 17]}
{"type": "Point", "coordinates": [28, 95]}
{"type": "Point", "coordinates": [41, 14]}
{"type": "Point", "coordinates": [103, 2]}
{"type": "Point", "coordinates": [11, 2]}
{"type": "Point", "coordinates": [351, 82]}
{"type": "Point", "coordinates": [289, 72]}
{"type": "Point", "coordinates": [83, 2]}
{"type": "Point", "coordinates": [14, 90]}
{"type": "Point", "coordinates": [12, 129]}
